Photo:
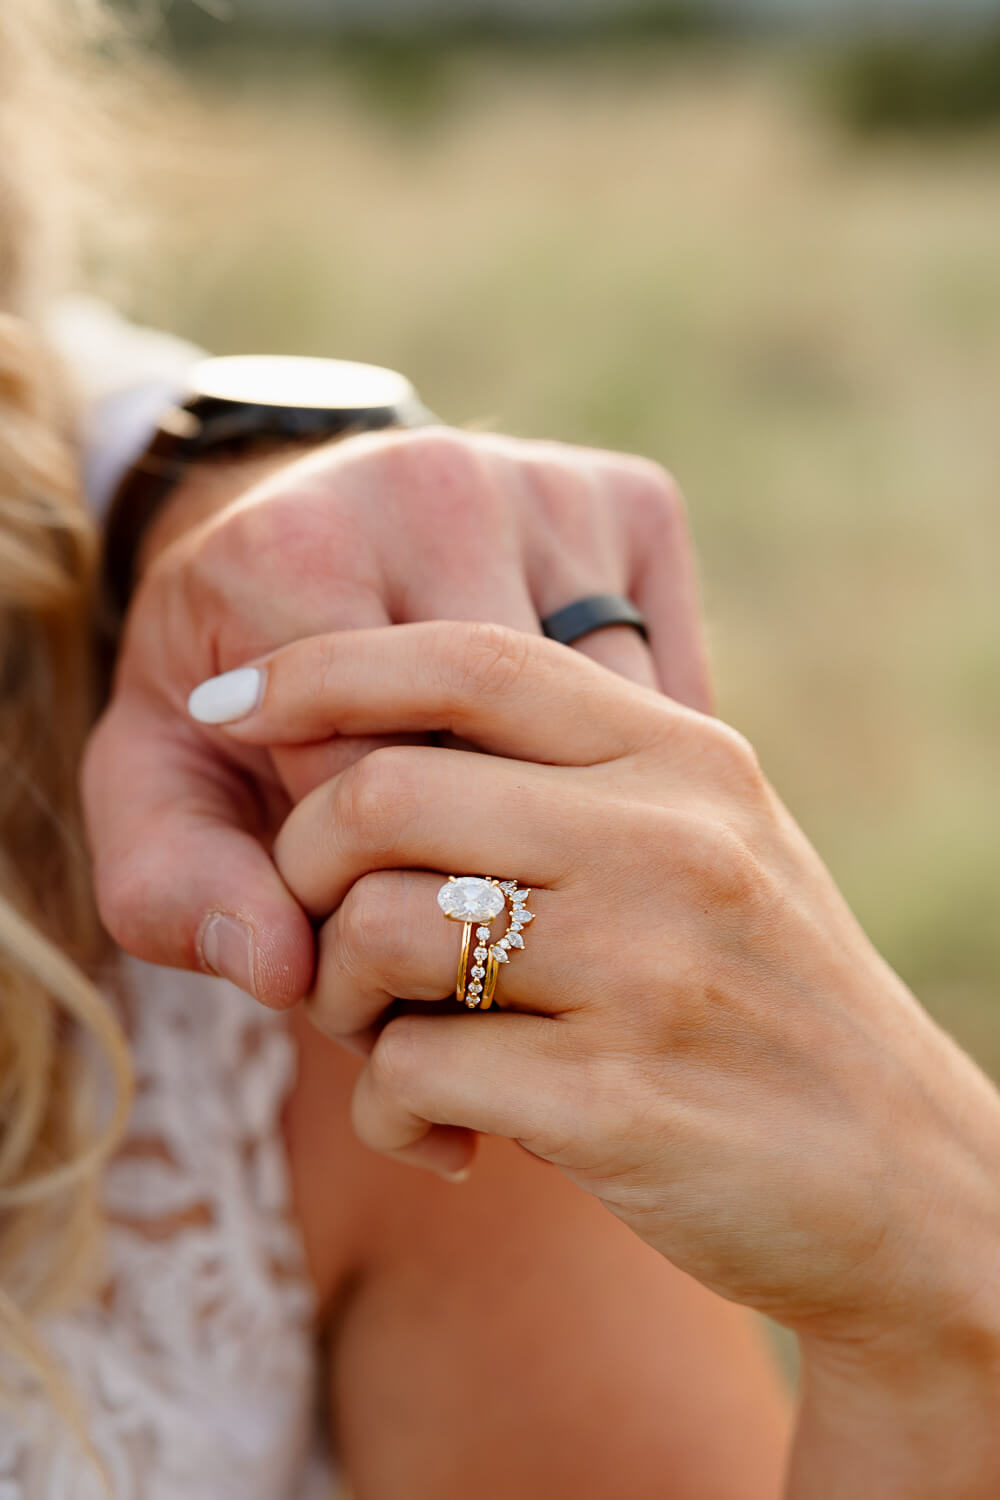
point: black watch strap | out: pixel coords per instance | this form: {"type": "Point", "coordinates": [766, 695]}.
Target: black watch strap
{"type": "Point", "coordinates": [209, 427]}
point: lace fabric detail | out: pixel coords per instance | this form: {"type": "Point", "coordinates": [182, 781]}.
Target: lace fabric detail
{"type": "Point", "coordinates": [195, 1369]}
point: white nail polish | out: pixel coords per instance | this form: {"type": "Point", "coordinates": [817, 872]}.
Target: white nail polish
{"type": "Point", "coordinates": [223, 700]}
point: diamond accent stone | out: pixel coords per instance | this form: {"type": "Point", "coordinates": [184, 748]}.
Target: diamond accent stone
{"type": "Point", "coordinates": [510, 886]}
{"type": "Point", "coordinates": [470, 899]}
{"type": "Point", "coordinates": [504, 942]}
{"type": "Point", "coordinates": [480, 954]}
{"type": "Point", "coordinates": [514, 939]}
{"type": "Point", "coordinates": [475, 989]}
{"type": "Point", "coordinates": [478, 972]}
{"type": "Point", "coordinates": [483, 934]}
{"type": "Point", "coordinates": [515, 926]}
{"type": "Point", "coordinates": [525, 916]}
{"type": "Point", "coordinates": [501, 955]}
{"type": "Point", "coordinates": [520, 896]}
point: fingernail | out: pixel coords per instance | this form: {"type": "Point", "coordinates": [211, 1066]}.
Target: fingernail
{"type": "Point", "coordinates": [226, 947]}
{"type": "Point", "coordinates": [223, 700]}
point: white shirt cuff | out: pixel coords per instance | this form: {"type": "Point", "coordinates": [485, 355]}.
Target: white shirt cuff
{"type": "Point", "coordinates": [125, 378]}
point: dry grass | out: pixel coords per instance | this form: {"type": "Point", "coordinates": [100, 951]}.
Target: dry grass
{"type": "Point", "coordinates": [808, 335]}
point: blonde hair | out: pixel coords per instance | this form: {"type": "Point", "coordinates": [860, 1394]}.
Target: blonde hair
{"type": "Point", "coordinates": [54, 1132]}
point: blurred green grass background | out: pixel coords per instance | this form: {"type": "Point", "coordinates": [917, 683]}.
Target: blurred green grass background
{"type": "Point", "coordinates": [674, 251]}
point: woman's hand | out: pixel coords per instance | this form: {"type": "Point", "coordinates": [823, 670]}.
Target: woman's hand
{"type": "Point", "coordinates": [704, 1038]}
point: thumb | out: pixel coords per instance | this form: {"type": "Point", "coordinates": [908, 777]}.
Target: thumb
{"type": "Point", "coordinates": [180, 875]}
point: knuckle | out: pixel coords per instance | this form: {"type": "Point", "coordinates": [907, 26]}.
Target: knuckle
{"type": "Point", "coordinates": [442, 448]}
{"type": "Point", "coordinates": [312, 667]}
{"type": "Point", "coordinates": [655, 498]}
{"type": "Point", "coordinates": [733, 760]}
{"type": "Point", "coordinates": [293, 535]}
{"type": "Point", "coordinates": [370, 929]}
{"type": "Point", "coordinates": [442, 468]}
{"type": "Point", "coordinates": [128, 888]}
{"type": "Point", "coordinates": [657, 489]}
{"type": "Point", "coordinates": [394, 1063]}
{"type": "Point", "coordinates": [740, 879]}
{"type": "Point", "coordinates": [492, 660]}
{"type": "Point", "coordinates": [376, 799]}
{"type": "Point", "coordinates": [725, 871]}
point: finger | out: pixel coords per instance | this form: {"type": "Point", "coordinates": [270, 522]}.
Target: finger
{"type": "Point", "coordinates": [578, 543]}
{"type": "Point", "coordinates": [427, 809]}
{"type": "Point", "coordinates": [497, 1074]}
{"type": "Point", "coordinates": [664, 586]}
{"type": "Point", "coordinates": [389, 941]}
{"type": "Point", "coordinates": [328, 599]}
{"type": "Point", "coordinates": [445, 1149]}
{"type": "Point", "coordinates": [621, 649]}
{"type": "Point", "coordinates": [448, 539]}
{"type": "Point", "coordinates": [507, 692]}
{"type": "Point", "coordinates": [477, 575]}
{"type": "Point", "coordinates": [302, 768]}
{"type": "Point", "coordinates": [180, 877]}
{"type": "Point", "coordinates": [647, 544]}
{"type": "Point", "coordinates": [485, 583]}
{"type": "Point", "coordinates": [568, 544]}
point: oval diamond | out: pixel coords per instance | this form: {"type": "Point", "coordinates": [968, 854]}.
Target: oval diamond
{"type": "Point", "coordinates": [470, 899]}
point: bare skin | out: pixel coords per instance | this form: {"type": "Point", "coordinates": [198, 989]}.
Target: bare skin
{"type": "Point", "coordinates": [698, 1033]}
{"type": "Point", "coordinates": [507, 1340]}
{"type": "Point", "coordinates": [394, 527]}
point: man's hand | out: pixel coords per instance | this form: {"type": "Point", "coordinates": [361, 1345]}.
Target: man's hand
{"type": "Point", "coordinates": [388, 528]}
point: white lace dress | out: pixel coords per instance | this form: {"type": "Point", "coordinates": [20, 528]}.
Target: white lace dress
{"type": "Point", "coordinates": [195, 1370]}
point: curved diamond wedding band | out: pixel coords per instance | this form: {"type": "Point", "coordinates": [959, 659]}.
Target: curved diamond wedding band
{"type": "Point", "coordinates": [477, 901]}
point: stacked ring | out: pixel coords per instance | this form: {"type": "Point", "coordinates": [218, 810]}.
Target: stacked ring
{"type": "Point", "coordinates": [476, 901]}
{"type": "Point", "coordinates": [464, 979]}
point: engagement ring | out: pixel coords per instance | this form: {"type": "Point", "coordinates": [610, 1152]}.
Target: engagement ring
{"type": "Point", "coordinates": [477, 901]}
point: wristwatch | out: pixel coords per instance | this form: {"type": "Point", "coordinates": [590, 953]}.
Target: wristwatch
{"type": "Point", "coordinates": [236, 405]}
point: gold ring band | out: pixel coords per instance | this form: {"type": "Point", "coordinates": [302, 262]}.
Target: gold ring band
{"type": "Point", "coordinates": [463, 961]}
{"type": "Point", "coordinates": [476, 901]}
{"type": "Point", "coordinates": [490, 982]}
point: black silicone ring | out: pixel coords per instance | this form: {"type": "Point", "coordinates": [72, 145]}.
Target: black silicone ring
{"type": "Point", "coordinates": [597, 613]}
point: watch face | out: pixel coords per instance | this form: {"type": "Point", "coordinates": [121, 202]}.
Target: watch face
{"type": "Point", "coordinates": [278, 380]}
